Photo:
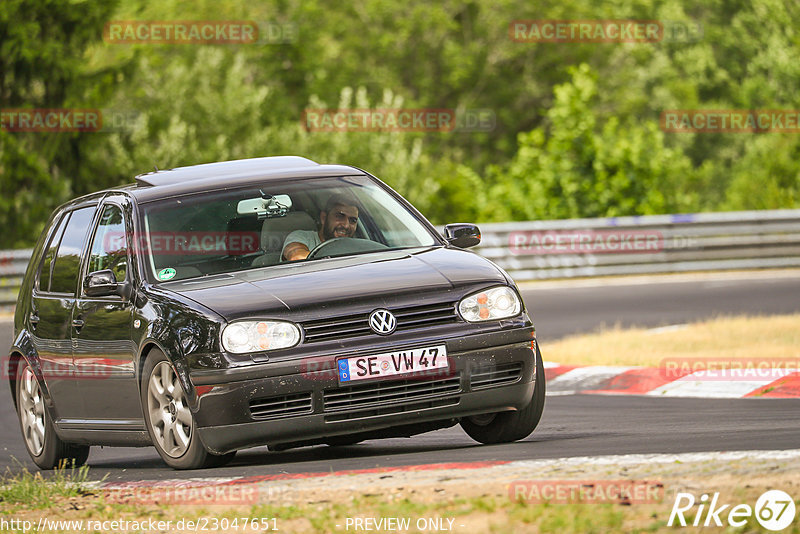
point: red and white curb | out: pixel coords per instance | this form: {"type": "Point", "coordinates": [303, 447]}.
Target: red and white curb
{"type": "Point", "coordinates": [652, 381]}
{"type": "Point", "coordinates": [441, 473]}
{"type": "Point", "coordinates": [285, 477]}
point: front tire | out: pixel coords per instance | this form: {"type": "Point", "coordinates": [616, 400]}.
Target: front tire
{"type": "Point", "coordinates": [169, 419]}
{"type": "Point", "coordinates": [505, 427]}
{"type": "Point", "coordinates": [45, 448]}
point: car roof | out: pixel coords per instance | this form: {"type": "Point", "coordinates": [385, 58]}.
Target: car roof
{"type": "Point", "coordinates": [209, 176]}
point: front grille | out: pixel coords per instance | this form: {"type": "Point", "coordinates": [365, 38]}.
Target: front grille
{"type": "Point", "coordinates": [281, 406]}
{"type": "Point", "coordinates": [358, 325]}
{"type": "Point", "coordinates": [381, 394]}
{"type": "Point", "coordinates": [501, 375]}
{"type": "Point", "coordinates": [390, 410]}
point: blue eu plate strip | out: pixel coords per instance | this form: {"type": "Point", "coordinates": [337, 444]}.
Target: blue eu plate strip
{"type": "Point", "coordinates": [344, 372]}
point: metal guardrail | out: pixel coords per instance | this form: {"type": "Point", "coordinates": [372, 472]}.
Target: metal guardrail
{"type": "Point", "coordinates": [569, 248]}
{"type": "Point", "coordinates": [12, 268]}
{"type": "Point", "coordinates": [644, 245]}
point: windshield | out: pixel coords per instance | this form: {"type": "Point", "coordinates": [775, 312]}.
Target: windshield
{"type": "Point", "coordinates": [276, 223]}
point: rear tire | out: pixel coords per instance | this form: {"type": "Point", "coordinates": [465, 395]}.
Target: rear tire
{"type": "Point", "coordinates": [45, 448]}
{"type": "Point", "coordinates": [169, 419]}
{"type": "Point", "coordinates": [505, 427]}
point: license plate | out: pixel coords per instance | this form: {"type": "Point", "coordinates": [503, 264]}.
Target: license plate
{"type": "Point", "coordinates": [400, 362]}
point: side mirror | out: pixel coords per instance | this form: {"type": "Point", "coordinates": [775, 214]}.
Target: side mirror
{"type": "Point", "coordinates": [462, 235]}
{"type": "Point", "coordinates": [104, 283]}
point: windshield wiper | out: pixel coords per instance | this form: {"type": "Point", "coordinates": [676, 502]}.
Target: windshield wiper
{"type": "Point", "coordinates": [361, 252]}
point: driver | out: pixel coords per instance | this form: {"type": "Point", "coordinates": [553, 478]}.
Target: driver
{"type": "Point", "coordinates": [339, 219]}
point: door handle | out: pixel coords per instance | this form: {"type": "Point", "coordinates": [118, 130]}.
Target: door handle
{"type": "Point", "coordinates": [34, 319]}
{"type": "Point", "coordinates": [77, 323]}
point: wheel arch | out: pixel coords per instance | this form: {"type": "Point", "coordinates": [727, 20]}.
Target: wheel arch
{"type": "Point", "coordinates": [11, 367]}
{"type": "Point", "coordinates": [23, 350]}
{"type": "Point", "coordinates": [178, 364]}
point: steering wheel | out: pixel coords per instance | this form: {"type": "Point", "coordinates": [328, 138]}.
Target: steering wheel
{"type": "Point", "coordinates": [344, 245]}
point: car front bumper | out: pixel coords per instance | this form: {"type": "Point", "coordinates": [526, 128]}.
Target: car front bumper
{"type": "Point", "coordinates": [490, 372]}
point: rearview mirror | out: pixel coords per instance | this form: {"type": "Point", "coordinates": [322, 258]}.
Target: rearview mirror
{"type": "Point", "coordinates": [265, 207]}
{"type": "Point", "coordinates": [462, 235]}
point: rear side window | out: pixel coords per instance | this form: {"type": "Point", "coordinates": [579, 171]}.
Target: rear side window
{"type": "Point", "coordinates": [68, 258]}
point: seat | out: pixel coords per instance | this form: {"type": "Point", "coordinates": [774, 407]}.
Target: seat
{"type": "Point", "coordinates": [274, 232]}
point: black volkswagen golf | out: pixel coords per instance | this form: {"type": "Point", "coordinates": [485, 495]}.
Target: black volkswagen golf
{"type": "Point", "coordinates": [270, 301]}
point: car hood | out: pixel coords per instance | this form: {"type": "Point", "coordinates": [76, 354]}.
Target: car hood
{"type": "Point", "coordinates": [341, 285]}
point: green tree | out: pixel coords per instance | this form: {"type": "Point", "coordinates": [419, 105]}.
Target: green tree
{"type": "Point", "coordinates": [578, 168]}
{"type": "Point", "coordinates": [42, 46]}
{"type": "Point", "coordinates": [566, 143]}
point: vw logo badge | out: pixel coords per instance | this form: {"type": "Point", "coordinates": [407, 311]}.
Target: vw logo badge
{"type": "Point", "coordinates": [382, 322]}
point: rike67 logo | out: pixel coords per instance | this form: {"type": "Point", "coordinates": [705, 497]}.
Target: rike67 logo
{"type": "Point", "coordinates": [774, 510]}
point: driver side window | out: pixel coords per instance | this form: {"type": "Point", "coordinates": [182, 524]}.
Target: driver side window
{"type": "Point", "coordinates": [110, 248]}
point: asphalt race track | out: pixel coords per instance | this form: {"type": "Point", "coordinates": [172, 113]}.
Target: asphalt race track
{"type": "Point", "coordinates": [561, 311]}
{"type": "Point", "coordinates": [577, 425]}
{"type": "Point", "coordinates": [574, 425]}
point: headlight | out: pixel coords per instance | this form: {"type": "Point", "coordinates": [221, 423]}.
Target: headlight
{"type": "Point", "coordinates": [496, 303]}
{"type": "Point", "coordinates": [258, 336]}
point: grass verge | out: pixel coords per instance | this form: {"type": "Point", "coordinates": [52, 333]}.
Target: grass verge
{"type": "Point", "coordinates": [776, 337]}
{"type": "Point", "coordinates": [451, 500]}
{"type": "Point", "coordinates": [32, 490]}
{"type": "Point", "coordinates": [354, 511]}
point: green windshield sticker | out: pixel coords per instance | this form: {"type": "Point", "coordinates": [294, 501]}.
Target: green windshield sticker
{"type": "Point", "coordinates": [166, 274]}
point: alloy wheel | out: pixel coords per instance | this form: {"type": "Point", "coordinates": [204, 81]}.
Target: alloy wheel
{"type": "Point", "coordinates": [31, 412]}
{"type": "Point", "coordinates": [169, 414]}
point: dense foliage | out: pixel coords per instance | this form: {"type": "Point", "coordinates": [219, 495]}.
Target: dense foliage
{"type": "Point", "coordinates": [576, 124]}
